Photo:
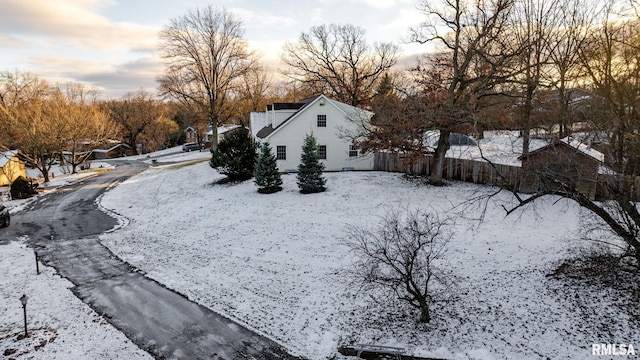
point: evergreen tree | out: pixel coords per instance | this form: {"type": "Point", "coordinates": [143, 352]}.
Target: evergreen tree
{"type": "Point", "coordinates": [267, 176]}
{"type": "Point", "coordinates": [310, 170]}
{"type": "Point", "coordinates": [386, 86]}
{"type": "Point", "coordinates": [235, 155]}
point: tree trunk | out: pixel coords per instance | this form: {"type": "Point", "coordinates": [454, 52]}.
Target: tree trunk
{"type": "Point", "coordinates": [214, 135]}
{"type": "Point", "coordinates": [425, 316]}
{"type": "Point", "coordinates": [44, 170]}
{"type": "Point", "coordinates": [436, 178]}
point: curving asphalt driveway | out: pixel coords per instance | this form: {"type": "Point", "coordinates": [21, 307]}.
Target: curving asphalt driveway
{"type": "Point", "coordinates": [63, 228]}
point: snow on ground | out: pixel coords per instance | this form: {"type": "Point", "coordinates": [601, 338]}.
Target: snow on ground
{"type": "Point", "coordinates": [61, 176]}
{"type": "Point", "coordinates": [274, 262]}
{"type": "Point", "coordinates": [60, 326]}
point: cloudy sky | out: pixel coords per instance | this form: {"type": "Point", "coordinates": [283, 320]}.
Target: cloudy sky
{"type": "Point", "coordinates": [112, 45]}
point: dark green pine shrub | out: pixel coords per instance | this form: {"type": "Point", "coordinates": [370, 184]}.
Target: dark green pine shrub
{"type": "Point", "coordinates": [310, 169]}
{"type": "Point", "coordinates": [235, 155]}
{"type": "Point", "coordinates": [267, 177]}
{"type": "Point", "coordinates": [21, 188]}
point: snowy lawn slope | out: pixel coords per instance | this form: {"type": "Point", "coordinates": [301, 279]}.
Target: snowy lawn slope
{"type": "Point", "coordinates": [60, 326]}
{"type": "Point", "coordinates": [274, 263]}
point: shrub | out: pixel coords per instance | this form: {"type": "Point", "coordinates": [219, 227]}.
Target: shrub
{"type": "Point", "coordinates": [21, 188]}
{"type": "Point", "coordinates": [404, 258]}
{"type": "Point", "coordinates": [235, 155]}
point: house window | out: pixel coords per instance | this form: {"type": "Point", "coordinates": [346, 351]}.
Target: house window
{"type": "Point", "coordinates": [281, 152]}
{"type": "Point", "coordinates": [353, 151]}
{"type": "Point", "coordinates": [322, 120]}
{"type": "Point", "coordinates": [322, 152]}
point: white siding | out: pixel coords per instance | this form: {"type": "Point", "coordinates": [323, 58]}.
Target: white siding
{"type": "Point", "coordinates": [257, 120]}
{"type": "Point", "coordinates": [292, 136]}
{"type": "Point", "coordinates": [279, 116]}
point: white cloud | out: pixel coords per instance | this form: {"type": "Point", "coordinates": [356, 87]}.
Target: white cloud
{"type": "Point", "coordinates": [112, 77]}
{"type": "Point", "coordinates": [73, 22]}
{"type": "Point", "coordinates": [10, 42]}
{"type": "Point", "coordinates": [378, 4]}
{"type": "Point", "coordinates": [405, 19]}
{"type": "Point", "coordinates": [252, 17]}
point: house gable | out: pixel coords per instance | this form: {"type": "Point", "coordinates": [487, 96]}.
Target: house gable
{"type": "Point", "coordinates": [327, 120]}
{"type": "Point", "coordinates": [11, 167]}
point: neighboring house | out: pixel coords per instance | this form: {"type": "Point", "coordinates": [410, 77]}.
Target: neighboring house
{"type": "Point", "coordinates": [191, 134]}
{"type": "Point", "coordinates": [11, 167]}
{"type": "Point", "coordinates": [223, 130]}
{"type": "Point", "coordinates": [287, 124]}
{"type": "Point", "coordinates": [567, 160]}
{"type": "Point", "coordinates": [115, 151]}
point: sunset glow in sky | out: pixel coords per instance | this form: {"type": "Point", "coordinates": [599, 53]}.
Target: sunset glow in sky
{"type": "Point", "coordinates": [112, 45]}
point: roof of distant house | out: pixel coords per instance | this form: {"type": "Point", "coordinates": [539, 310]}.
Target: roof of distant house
{"type": "Point", "coordinates": [112, 148]}
{"type": "Point", "coordinates": [224, 128]}
{"type": "Point", "coordinates": [6, 156]}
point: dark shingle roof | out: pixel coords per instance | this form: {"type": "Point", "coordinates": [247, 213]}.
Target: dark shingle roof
{"type": "Point", "coordinates": [265, 131]}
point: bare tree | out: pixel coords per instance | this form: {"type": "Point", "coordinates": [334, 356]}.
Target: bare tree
{"type": "Point", "coordinates": [134, 113]}
{"type": "Point", "coordinates": [533, 21]}
{"type": "Point", "coordinates": [17, 90]}
{"type": "Point", "coordinates": [336, 60]}
{"type": "Point", "coordinates": [404, 257]}
{"type": "Point", "coordinates": [472, 62]}
{"type": "Point", "coordinates": [87, 126]}
{"type": "Point", "coordinates": [205, 56]}
{"type": "Point", "coordinates": [256, 84]}
{"type": "Point", "coordinates": [255, 91]}
{"type": "Point", "coordinates": [34, 115]}
{"type": "Point", "coordinates": [570, 36]}
{"type": "Point", "coordinates": [159, 134]}
{"type": "Point", "coordinates": [611, 60]}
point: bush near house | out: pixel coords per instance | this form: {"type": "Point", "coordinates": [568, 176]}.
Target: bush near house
{"type": "Point", "coordinates": [235, 155]}
{"type": "Point", "coordinates": [21, 188]}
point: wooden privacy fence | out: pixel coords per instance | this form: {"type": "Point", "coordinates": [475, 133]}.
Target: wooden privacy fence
{"type": "Point", "coordinates": [506, 176]}
{"type": "Point", "coordinates": [478, 172]}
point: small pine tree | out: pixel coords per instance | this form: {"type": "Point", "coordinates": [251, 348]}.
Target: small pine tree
{"type": "Point", "coordinates": [310, 169]}
{"type": "Point", "coordinates": [235, 155]}
{"type": "Point", "coordinates": [267, 176]}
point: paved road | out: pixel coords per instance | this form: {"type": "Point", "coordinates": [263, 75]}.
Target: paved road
{"type": "Point", "coordinates": [63, 227]}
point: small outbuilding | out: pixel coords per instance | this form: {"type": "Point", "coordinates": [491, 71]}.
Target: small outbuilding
{"type": "Point", "coordinates": [11, 167]}
{"type": "Point", "coordinates": [566, 161]}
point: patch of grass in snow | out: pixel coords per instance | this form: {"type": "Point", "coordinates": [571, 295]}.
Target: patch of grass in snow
{"type": "Point", "coordinates": [15, 344]}
{"type": "Point", "coordinates": [606, 275]}
{"type": "Point", "coordinates": [185, 164]}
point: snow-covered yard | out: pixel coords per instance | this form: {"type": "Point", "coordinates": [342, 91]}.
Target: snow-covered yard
{"type": "Point", "coordinates": [273, 262]}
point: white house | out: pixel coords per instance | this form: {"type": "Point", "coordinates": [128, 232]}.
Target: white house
{"type": "Point", "coordinates": [222, 131]}
{"type": "Point", "coordinates": [328, 120]}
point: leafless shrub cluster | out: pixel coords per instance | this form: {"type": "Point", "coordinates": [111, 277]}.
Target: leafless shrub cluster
{"type": "Point", "coordinates": [404, 258]}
